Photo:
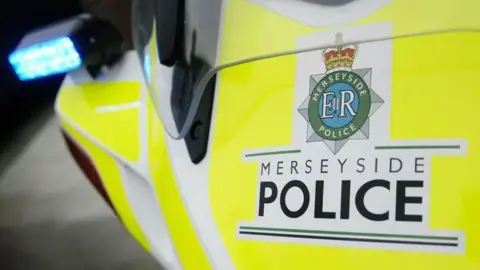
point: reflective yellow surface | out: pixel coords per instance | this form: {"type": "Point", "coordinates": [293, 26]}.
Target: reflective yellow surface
{"type": "Point", "coordinates": [434, 95]}
{"type": "Point", "coordinates": [267, 32]}
{"type": "Point", "coordinates": [109, 172]}
{"type": "Point", "coordinates": [108, 112]}
{"type": "Point", "coordinates": [181, 230]}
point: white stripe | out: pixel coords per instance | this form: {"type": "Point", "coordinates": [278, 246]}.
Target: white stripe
{"type": "Point", "coordinates": [119, 107]}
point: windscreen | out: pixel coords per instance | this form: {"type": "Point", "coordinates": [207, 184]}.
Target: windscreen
{"type": "Point", "coordinates": [183, 44]}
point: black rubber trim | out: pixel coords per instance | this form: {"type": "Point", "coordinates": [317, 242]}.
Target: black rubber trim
{"type": "Point", "coordinates": [170, 30]}
{"type": "Point", "coordinates": [198, 137]}
{"type": "Point", "coordinates": [170, 17]}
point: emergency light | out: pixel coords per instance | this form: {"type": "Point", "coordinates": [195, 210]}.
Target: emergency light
{"type": "Point", "coordinates": [81, 41]}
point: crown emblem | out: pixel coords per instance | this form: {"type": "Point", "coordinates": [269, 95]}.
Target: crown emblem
{"type": "Point", "coordinates": [340, 57]}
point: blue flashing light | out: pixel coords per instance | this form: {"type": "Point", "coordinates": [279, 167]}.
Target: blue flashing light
{"type": "Point", "coordinates": [147, 68]}
{"type": "Point", "coordinates": [45, 59]}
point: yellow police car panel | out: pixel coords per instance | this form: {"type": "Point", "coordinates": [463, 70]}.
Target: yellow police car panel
{"type": "Point", "coordinates": [356, 149]}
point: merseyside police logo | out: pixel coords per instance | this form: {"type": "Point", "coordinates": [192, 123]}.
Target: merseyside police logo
{"type": "Point", "coordinates": [341, 101]}
{"type": "Point", "coordinates": [375, 195]}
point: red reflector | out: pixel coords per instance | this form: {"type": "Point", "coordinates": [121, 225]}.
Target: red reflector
{"type": "Point", "coordinates": [87, 166]}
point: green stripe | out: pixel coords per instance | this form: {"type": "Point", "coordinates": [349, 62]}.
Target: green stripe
{"type": "Point", "coordinates": [274, 153]}
{"type": "Point", "coordinates": [350, 233]}
{"type": "Point", "coordinates": [409, 147]}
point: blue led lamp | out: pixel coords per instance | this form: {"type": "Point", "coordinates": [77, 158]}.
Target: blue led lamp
{"type": "Point", "coordinates": [78, 42]}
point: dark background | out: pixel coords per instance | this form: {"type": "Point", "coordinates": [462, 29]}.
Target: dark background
{"type": "Point", "coordinates": [20, 101]}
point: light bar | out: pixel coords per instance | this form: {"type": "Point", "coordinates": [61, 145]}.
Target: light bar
{"type": "Point", "coordinates": [45, 59]}
{"type": "Point", "coordinates": [80, 41]}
